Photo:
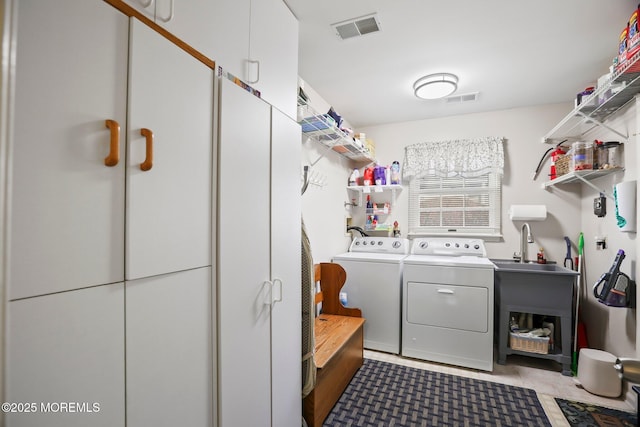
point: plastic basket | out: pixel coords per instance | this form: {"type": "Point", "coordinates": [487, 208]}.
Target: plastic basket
{"type": "Point", "coordinates": [562, 164]}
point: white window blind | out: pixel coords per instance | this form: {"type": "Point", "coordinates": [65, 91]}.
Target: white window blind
{"type": "Point", "coordinates": [455, 187]}
{"type": "Point", "coordinates": [455, 205]}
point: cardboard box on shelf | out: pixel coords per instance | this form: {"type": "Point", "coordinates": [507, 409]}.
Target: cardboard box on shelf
{"type": "Point", "coordinates": [371, 146]}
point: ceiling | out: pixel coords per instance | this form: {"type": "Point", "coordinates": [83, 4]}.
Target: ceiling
{"type": "Point", "coordinates": [513, 52]}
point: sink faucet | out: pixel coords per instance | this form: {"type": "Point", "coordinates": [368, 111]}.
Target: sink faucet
{"type": "Point", "coordinates": [523, 244]}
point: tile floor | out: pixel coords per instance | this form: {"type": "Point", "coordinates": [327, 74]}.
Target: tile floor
{"type": "Point", "coordinates": [539, 374]}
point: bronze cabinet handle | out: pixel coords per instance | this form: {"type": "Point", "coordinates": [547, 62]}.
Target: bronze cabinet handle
{"type": "Point", "coordinates": [148, 161]}
{"type": "Point", "coordinates": [114, 147]}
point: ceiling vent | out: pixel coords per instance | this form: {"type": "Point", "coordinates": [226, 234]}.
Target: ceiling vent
{"type": "Point", "coordinates": [357, 26]}
{"type": "Point", "coordinates": [464, 98]}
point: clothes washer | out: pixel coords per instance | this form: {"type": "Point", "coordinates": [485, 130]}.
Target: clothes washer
{"type": "Point", "coordinates": [374, 282]}
{"type": "Point", "coordinates": [447, 293]}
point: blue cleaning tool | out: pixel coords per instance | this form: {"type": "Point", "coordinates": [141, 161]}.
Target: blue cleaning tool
{"type": "Point", "coordinates": [621, 221]}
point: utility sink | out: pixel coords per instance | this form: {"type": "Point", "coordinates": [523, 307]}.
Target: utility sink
{"type": "Point", "coordinates": [541, 289]}
{"type": "Point", "coordinates": [532, 267]}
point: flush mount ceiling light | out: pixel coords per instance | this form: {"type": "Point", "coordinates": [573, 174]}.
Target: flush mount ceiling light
{"type": "Point", "coordinates": [434, 86]}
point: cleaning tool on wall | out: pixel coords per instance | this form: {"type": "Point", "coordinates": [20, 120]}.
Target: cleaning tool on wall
{"type": "Point", "coordinates": [574, 356]}
{"type": "Point", "coordinates": [617, 288]}
{"type": "Point", "coordinates": [624, 195]}
{"type": "Point", "coordinates": [582, 328]}
{"type": "Point", "coordinates": [567, 259]}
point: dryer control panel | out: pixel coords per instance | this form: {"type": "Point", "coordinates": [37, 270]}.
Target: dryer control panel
{"type": "Point", "coordinates": [389, 245]}
{"type": "Point", "coordinates": [449, 246]}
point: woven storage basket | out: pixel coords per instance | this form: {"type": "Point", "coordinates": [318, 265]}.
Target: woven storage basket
{"type": "Point", "coordinates": [562, 164]}
{"type": "Point", "coordinates": [538, 345]}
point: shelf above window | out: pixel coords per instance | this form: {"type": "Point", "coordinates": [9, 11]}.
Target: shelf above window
{"type": "Point", "coordinates": [321, 128]}
{"type": "Point", "coordinates": [621, 89]}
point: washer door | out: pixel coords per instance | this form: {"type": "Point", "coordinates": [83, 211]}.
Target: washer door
{"type": "Point", "coordinates": [448, 306]}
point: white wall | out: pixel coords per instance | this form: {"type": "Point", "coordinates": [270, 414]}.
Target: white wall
{"type": "Point", "coordinates": [522, 129]}
{"type": "Point", "coordinates": [323, 211]}
{"type": "Point", "coordinates": [570, 207]}
{"type": "Point", "coordinates": [610, 329]}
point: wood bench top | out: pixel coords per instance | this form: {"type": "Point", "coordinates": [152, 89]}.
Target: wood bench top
{"type": "Point", "coordinates": [332, 331]}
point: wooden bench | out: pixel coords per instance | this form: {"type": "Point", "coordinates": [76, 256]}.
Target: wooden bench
{"type": "Point", "coordinates": [338, 345]}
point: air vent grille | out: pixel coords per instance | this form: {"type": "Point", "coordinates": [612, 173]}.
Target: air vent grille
{"type": "Point", "coordinates": [464, 98]}
{"type": "Point", "coordinates": [357, 26]}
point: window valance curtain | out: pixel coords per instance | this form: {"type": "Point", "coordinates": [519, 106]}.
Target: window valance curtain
{"type": "Point", "coordinates": [462, 157]}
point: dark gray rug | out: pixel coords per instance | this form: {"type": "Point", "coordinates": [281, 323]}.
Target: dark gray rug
{"type": "Point", "coordinates": [581, 414]}
{"type": "Point", "coordinates": [386, 394]}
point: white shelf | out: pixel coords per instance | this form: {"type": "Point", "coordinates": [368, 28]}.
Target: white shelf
{"type": "Point", "coordinates": [583, 176]}
{"type": "Point", "coordinates": [599, 106]}
{"type": "Point", "coordinates": [323, 129]}
{"type": "Point", "coordinates": [394, 189]}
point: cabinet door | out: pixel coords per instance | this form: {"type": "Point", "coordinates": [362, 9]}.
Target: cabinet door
{"type": "Point", "coordinates": [67, 347]}
{"type": "Point", "coordinates": [274, 43]}
{"type": "Point", "coordinates": [169, 350]}
{"type": "Point", "coordinates": [146, 7]}
{"type": "Point", "coordinates": [285, 267]}
{"type": "Point", "coordinates": [67, 207]}
{"type": "Point", "coordinates": [243, 254]}
{"type": "Point", "coordinates": [231, 41]}
{"type": "Point", "coordinates": [168, 206]}
{"type": "Point", "coordinates": [190, 21]}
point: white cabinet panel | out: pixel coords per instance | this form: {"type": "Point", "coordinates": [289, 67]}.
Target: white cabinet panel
{"type": "Point", "coordinates": [169, 350]}
{"type": "Point", "coordinates": [243, 254]}
{"type": "Point", "coordinates": [191, 22]}
{"type": "Point", "coordinates": [274, 43]}
{"type": "Point", "coordinates": [67, 207]}
{"type": "Point", "coordinates": [146, 7]}
{"type": "Point", "coordinates": [68, 347]}
{"type": "Point", "coordinates": [259, 30]}
{"type": "Point", "coordinates": [68, 222]}
{"type": "Point", "coordinates": [285, 266]}
{"type": "Point", "coordinates": [168, 207]}
{"type": "Point", "coordinates": [259, 244]}
{"type": "Point", "coordinates": [231, 41]}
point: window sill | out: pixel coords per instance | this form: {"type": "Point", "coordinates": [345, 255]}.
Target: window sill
{"type": "Point", "coordinates": [485, 237]}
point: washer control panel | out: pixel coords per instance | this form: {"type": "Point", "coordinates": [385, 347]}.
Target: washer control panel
{"type": "Point", "coordinates": [451, 246]}
{"type": "Point", "coordinates": [392, 245]}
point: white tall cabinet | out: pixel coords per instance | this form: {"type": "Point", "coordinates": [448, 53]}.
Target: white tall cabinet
{"type": "Point", "coordinates": [110, 266]}
{"type": "Point", "coordinates": [259, 262]}
{"type": "Point", "coordinates": [273, 48]}
{"type": "Point", "coordinates": [257, 41]}
{"type": "Point", "coordinates": [189, 20]}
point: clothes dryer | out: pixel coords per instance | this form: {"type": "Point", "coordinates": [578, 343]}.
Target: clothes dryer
{"type": "Point", "coordinates": [447, 305]}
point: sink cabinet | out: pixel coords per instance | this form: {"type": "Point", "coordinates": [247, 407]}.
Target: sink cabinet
{"type": "Point", "coordinates": [535, 292]}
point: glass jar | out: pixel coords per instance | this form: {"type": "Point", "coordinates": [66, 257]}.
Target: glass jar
{"type": "Point", "coordinates": [601, 156]}
{"type": "Point", "coordinates": [582, 158]}
{"type": "Point", "coordinates": [614, 155]}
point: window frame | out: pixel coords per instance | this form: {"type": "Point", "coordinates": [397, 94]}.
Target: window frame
{"type": "Point", "coordinates": [493, 189]}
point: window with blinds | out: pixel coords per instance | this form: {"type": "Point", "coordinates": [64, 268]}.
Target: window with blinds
{"type": "Point", "coordinates": [455, 205]}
